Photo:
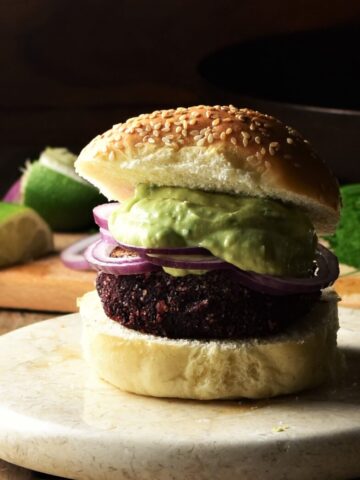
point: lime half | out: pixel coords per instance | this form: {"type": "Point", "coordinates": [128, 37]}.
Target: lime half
{"type": "Point", "coordinates": [52, 188]}
{"type": "Point", "coordinates": [23, 234]}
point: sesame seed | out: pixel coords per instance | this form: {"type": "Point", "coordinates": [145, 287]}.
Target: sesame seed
{"type": "Point", "coordinates": [258, 140]}
{"type": "Point", "coordinates": [245, 142]}
{"type": "Point", "coordinates": [146, 138]}
{"type": "Point", "coordinates": [165, 129]}
{"type": "Point", "coordinates": [182, 117]}
{"type": "Point", "coordinates": [208, 113]}
{"type": "Point", "coordinates": [156, 133]}
{"type": "Point", "coordinates": [151, 140]}
{"type": "Point", "coordinates": [193, 133]}
{"type": "Point", "coordinates": [215, 122]}
{"type": "Point", "coordinates": [184, 133]}
{"type": "Point", "coordinates": [201, 142]}
{"type": "Point", "coordinates": [227, 119]}
{"type": "Point", "coordinates": [271, 151]}
{"type": "Point", "coordinates": [111, 156]}
{"type": "Point", "coordinates": [274, 145]}
{"type": "Point", "coordinates": [228, 131]}
{"type": "Point", "coordinates": [222, 136]}
{"type": "Point", "coordinates": [178, 129]}
{"type": "Point", "coordinates": [210, 138]}
{"type": "Point", "coordinates": [252, 126]}
{"type": "Point", "coordinates": [139, 144]}
{"type": "Point", "coordinates": [193, 121]}
{"type": "Point", "coordinates": [198, 137]}
{"type": "Point", "coordinates": [290, 140]}
{"type": "Point", "coordinates": [263, 151]}
{"type": "Point", "coordinates": [245, 135]}
{"type": "Point", "coordinates": [157, 126]}
{"type": "Point", "coordinates": [233, 140]}
{"type": "Point", "coordinates": [185, 125]}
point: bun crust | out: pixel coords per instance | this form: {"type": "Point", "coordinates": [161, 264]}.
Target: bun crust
{"type": "Point", "coordinates": [303, 357]}
{"type": "Point", "coordinates": [218, 148]}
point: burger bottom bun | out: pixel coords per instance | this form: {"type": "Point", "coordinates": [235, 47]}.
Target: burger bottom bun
{"type": "Point", "coordinates": [304, 356]}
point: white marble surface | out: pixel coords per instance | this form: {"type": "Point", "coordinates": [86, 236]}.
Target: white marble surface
{"type": "Point", "coordinates": [56, 417]}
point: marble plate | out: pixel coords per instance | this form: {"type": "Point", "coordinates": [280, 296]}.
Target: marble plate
{"type": "Point", "coordinates": [57, 417]}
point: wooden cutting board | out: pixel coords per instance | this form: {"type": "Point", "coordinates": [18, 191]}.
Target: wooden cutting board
{"type": "Point", "coordinates": [47, 285]}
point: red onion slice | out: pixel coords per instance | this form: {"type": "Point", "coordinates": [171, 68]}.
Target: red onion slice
{"type": "Point", "coordinates": [13, 194]}
{"type": "Point", "coordinates": [189, 262]}
{"type": "Point", "coordinates": [102, 212]}
{"type": "Point", "coordinates": [107, 237]}
{"type": "Point", "coordinates": [325, 275]}
{"type": "Point", "coordinates": [167, 250]}
{"type": "Point", "coordinates": [73, 256]}
{"type": "Point", "coordinates": [98, 256]}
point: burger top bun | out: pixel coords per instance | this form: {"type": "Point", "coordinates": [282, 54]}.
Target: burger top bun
{"type": "Point", "coordinates": [220, 149]}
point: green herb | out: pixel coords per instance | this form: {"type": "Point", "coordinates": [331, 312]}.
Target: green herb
{"type": "Point", "coordinates": [346, 240]}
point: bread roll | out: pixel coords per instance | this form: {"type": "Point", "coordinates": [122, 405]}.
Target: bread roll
{"type": "Point", "coordinates": [219, 149]}
{"type": "Point", "coordinates": [304, 356]}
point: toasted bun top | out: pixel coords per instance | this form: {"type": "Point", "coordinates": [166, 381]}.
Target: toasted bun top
{"type": "Point", "coordinates": [220, 149]}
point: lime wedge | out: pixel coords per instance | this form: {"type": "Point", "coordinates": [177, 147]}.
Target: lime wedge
{"type": "Point", "coordinates": [23, 234]}
{"type": "Point", "coordinates": [52, 188]}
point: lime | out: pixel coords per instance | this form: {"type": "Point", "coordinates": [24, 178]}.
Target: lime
{"type": "Point", "coordinates": [52, 188]}
{"type": "Point", "coordinates": [23, 234]}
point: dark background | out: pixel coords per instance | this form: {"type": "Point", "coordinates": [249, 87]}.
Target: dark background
{"type": "Point", "coordinates": [70, 69]}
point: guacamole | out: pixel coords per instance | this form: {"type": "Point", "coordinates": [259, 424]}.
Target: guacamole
{"type": "Point", "coordinates": [255, 234]}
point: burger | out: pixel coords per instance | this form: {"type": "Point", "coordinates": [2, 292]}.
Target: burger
{"type": "Point", "coordinates": [211, 281]}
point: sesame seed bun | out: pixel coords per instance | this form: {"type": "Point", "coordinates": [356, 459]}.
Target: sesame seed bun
{"type": "Point", "coordinates": [303, 356]}
{"type": "Point", "coordinates": [220, 149]}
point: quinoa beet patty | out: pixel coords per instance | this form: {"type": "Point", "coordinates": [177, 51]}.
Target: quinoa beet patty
{"type": "Point", "coordinates": [209, 306]}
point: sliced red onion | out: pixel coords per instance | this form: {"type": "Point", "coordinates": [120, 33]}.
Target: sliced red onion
{"type": "Point", "coordinates": [73, 256]}
{"type": "Point", "coordinates": [327, 271]}
{"type": "Point", "coordinates": [189, 262]}
{"type": "Point", "coordinates": [102, 212]}
{"type": "Point", "coordinates": [13, 194]}
{"type": "Point", "coordinates": [167, 250]}
{"type": "Point", "coordinates": [98, 256]}
{"type": "Point", "coordinates": [107, 237]}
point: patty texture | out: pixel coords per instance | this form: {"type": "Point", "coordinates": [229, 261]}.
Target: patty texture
{"type": "Point", "coordinates": [209, 306]}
